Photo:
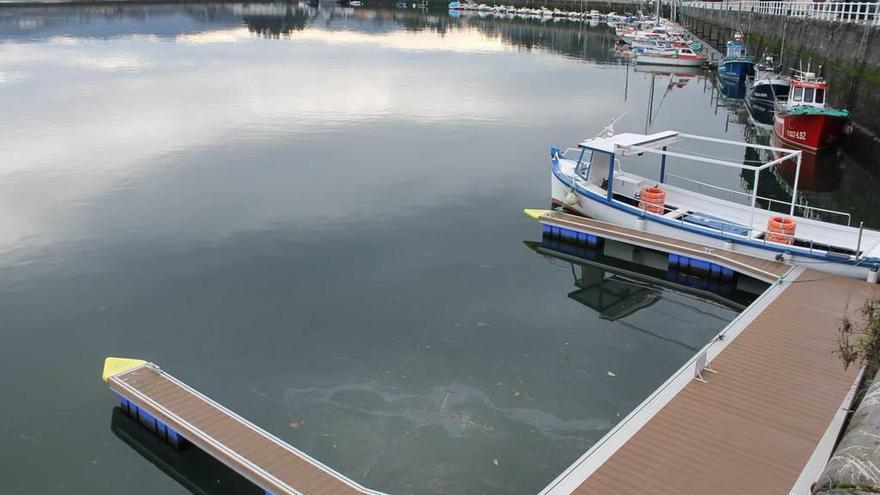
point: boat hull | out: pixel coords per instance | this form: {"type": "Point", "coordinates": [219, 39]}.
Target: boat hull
{"type": "Point", "coordinates": [814, 132]}
{"type": "Point", "coordinates": [670, 61]}
{"type": "Point", "coordinates": [763, 94]}
{"type": "Point", "coordinates": [736, 69]}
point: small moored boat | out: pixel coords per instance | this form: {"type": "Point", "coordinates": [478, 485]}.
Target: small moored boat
{"type": "Point", "coordinates": [680, 57]}
{"type": "Point", "coordinates": [805, 120]}
{"type": "Point", "coordinates": [736, 64]}
{"type": "Point", "coordinates": [589, 180]}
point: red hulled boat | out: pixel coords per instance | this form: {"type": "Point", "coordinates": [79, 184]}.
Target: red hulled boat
{"type": "Point", "coordinates": [804, 120]}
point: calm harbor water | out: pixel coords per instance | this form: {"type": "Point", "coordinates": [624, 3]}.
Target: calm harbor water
{"type": "Point", "coordinates": [313, 215]}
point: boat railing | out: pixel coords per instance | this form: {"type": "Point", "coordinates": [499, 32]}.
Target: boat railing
{"type": "Point", "coordinates": [730, 230]}
{"type": "Point", "coordinates": [808, 210]}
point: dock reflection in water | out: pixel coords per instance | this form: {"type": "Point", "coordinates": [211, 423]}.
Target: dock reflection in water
{"type": "Point", "coordinates": [195, 470]}
{"type": "Point", "coordinates": [618, 280]}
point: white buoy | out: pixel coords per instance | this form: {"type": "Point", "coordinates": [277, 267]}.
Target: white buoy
{"type": "Point", "coordinates": [872, 276]}
{"type": "Point", "coordinates": [728, 245]}
{"type": "Point", "coordinates": [571, 199]}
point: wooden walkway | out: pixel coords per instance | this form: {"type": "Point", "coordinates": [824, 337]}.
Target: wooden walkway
{"type": "Point", "coordinates": [760, 425]}
{"type": "Point", "coordinates": [260, 457]}
{"type": "Point", "coordinates": [756, 267]}
{"type": "Point", "coordinates": [756, 411]}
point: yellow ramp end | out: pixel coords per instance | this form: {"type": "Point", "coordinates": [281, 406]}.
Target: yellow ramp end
{"type": "Point", "coordinates": [535, 213]}
{"type": "Point", "coordinates": [114, 366]}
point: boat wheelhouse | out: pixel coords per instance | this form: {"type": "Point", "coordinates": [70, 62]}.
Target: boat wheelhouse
{"type": "Point", "coordinates": [768, 86]}
{"type": "Point", "coordinates": [590, 180]}
{"type": "Point", "coordinates": [737, 64]}
{"type": "Point", "coordinates": [805, 120]}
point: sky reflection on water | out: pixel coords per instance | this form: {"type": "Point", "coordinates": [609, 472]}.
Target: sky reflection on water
{"type": "Point", "coordinates": [314, 216]}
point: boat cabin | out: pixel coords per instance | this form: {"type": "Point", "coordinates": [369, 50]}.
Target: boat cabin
{"type": "Point", "coordinates": [807, 90]}
{"type": "Point", "coordinates": [736, 47]}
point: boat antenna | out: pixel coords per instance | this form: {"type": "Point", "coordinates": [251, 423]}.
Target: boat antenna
{"type": "Point", "coordinates": [608, 130]}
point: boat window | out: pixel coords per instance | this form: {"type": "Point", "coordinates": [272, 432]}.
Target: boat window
{"type": "Point", "coordinates": [808, 94]}
{"type": "Point", "coordinates": [820, 95]}
{"type": "Point", "coordinates": [798, 94]}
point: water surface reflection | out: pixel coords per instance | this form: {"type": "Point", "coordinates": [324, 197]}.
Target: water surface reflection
{"type": "Point", "coordinates": [313, 216]}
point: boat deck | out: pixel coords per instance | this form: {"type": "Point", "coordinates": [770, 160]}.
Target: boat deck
{"type": "Point", "coordinates": [756, 267]}
{"type": "Point", "coordinates": [260, 457]}
{"type": "Point", "coordinates": [766, 420]}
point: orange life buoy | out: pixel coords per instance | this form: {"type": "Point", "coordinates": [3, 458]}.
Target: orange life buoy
{"type": "Point", "coordinates": [652, 199]}
{"type": "Point", "coordinates": [781, 229]}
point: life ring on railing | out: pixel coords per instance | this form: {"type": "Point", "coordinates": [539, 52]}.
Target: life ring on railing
{"type": "Point", "coordinates": [652, 199]}
{"type": "Point", "coordinates": [781, 229]}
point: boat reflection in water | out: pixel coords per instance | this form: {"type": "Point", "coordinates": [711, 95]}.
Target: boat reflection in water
{"type": "Point", "coordinates": [734, 89]}
{"type": "Point", "coordinates": [195, 470]}
{"type": "Point", "coordinates": [821, 172]}
{"type": "Point", "coordinates": [617, 279]}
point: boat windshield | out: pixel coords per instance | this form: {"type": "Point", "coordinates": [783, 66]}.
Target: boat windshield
{"type": "Point", "coordinates": [809, 94]}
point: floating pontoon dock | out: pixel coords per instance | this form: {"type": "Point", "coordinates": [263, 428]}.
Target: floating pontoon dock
{"type": "Point", "coordinates": [568, 225]}
{"type": "Point", "coordinates": [173, 409]}
{"type": "Point", "coordinates": [756, 411]}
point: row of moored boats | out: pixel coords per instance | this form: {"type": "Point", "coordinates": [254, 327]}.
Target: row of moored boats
{"type": "Point", "coordinates": [541, 12]}
{"type": "Point", "coordinates": [652, 41]}
{"type": "Point", "coordinates": [594, 179]}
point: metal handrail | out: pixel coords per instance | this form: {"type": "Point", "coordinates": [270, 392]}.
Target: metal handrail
{"type": "Point", "coordinates": [846, 12]}
{"type": "Point", "coordinates": [768, 200]}
{"type": "Point", "coordinates": [752, 233]}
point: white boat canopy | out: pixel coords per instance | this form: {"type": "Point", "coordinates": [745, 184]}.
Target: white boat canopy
{"type": "Point", "coordinates": [610, 144]}
{"type": "Point", "coordinates": [629, 144]}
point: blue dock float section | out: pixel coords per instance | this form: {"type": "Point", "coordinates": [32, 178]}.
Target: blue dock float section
{"type": "Point", "coordinates": [156, 426]}
{"type": "Point", "coordinates": [153, 424]}
{"type": "Point", "coordinates": [582, 244]}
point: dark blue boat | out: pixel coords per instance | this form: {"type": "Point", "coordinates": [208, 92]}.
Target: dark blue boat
{"type": "Point", "coordinates": [737, 64]}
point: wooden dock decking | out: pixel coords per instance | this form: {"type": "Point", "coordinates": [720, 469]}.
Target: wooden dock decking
{"type": "Point", "coordinates": [760, 425]}
{"type": "Point", "coordinates": [260, 457]}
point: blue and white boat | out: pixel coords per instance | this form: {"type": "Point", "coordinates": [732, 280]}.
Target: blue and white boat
{"type": "Point", "coordinates": [737, 64]}
{"type": "Point", "coordinates": [590, 180]}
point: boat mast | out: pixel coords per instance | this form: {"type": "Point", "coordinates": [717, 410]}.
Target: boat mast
{"type": "Point", "coordinates": [782, 47]}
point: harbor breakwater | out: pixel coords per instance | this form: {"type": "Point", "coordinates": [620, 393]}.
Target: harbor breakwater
{"type": "Point", "coordinates": [848, 53]}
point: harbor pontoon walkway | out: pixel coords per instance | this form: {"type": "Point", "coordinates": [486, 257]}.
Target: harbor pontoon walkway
{"type": "Point", "coordinates": [766, 270]}
{"type": "Point", "coordinates": [268, 462]}
{"type": "Point", "coordinates": [763, 421]}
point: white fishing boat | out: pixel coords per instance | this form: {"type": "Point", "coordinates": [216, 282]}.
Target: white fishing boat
{"type": "Point", "coordinates": [590, 180]}
{"type": "Point", "coordinates": [681, 57]}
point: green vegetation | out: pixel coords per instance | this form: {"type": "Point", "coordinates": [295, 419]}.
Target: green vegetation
{"type": "Point", "coordinates": [859, 342]}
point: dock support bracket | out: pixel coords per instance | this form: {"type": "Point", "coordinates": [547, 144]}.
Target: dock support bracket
{"type": "Point", "coordinates": [700, 366]}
